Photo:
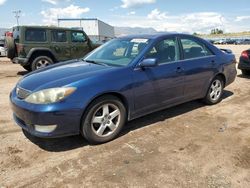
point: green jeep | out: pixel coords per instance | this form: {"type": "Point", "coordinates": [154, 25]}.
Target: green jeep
{"type": "Point", "coordinates": [35, 47]}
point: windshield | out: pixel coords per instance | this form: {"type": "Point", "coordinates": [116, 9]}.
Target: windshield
{"type": "Point", "coordinates": [118, 52]}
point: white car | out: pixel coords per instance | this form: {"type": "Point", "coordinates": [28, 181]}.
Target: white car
{"type": "Point", "coordinates": [3, 51]}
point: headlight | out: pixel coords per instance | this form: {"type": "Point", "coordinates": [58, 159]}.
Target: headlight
{"type": "Point", "coordinates": [51, 95]}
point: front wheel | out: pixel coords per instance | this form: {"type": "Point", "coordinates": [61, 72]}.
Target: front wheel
{"type": "Point", "coordinates": [215, 91]}
{"type": "Point", "coordinates": [104, 119]}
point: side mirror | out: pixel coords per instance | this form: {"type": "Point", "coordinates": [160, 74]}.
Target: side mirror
{"type": "Point", "coordinates": [146, 63]}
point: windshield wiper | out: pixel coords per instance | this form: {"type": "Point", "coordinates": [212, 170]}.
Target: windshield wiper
{"type": "Point", "coordinates": [94, 62]}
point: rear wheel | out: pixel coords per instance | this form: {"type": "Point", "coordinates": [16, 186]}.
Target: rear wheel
{"type": "Point", "coordinates": [41, 62]}
{"type": "Point", "coordinates": [245, 72]}
{"type": "Point", "coordinates": [215, 91]}
{"type": "Point", "coordinates": [103, 120]}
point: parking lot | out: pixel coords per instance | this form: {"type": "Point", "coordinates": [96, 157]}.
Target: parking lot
{"type": "Point", "coordinates": [190, 145]}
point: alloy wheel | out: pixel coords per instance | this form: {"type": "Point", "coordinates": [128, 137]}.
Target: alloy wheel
{"type": "Point", "coordinates": [105, 120]}
{"type": "Point", "coordinates": [42, 63]}
{"type": "Point", "coordinates": [215, 90]}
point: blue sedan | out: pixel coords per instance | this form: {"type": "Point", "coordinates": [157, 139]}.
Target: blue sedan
{"type": "Point", "coordinates": [123, 79]}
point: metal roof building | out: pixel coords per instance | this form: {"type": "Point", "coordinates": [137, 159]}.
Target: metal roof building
{"type": "Point", "coordinates": [96, 29]}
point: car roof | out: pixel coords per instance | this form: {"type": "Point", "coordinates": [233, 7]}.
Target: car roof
{"type": "Point", "coordinates": [154, 36]}
{"type": "Point", "coordinates": [48, 27]}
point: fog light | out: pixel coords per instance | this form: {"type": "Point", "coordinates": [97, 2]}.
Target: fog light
{"type": "Point", "coordinates": [45, 128]}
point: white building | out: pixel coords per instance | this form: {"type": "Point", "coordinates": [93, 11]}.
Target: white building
{"type": "Point", "coordinates": [96, 29]}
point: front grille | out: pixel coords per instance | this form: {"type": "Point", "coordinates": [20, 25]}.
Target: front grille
{"type": "Point", "coordinates": [22, 93]}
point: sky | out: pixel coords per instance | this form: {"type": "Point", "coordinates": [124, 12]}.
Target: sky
{"type": "Point", "coordinates": [189, 16]}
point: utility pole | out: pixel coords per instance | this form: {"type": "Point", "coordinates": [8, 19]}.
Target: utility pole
{"type": "Point", "coordinates": [17, 15]}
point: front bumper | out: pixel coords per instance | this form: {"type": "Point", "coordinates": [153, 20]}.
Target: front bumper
{"type": "Point", "coordinates": [27, 115]}
{"type": "Point", "coordinates": [21, 61]}
{"type": "Point", "coordinates": [243, 65]}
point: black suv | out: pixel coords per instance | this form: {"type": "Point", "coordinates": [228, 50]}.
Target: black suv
{"type": "Point", "coordinates": [36, 47]}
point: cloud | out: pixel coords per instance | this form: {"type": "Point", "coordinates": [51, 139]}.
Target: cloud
{"type": "Point", "coordinates": [132, 13]}
{"type": "Point", "coordinates": [200, 22]}
{"type": "Point", "coordinates": [242, 18]}
{"type": "Point", "coordinates": [2, 2]}
{"type": "Point", "coordinates": [157, 15]}
{"type": "Point", "coordinates": [135, 3]}
{"type": "Point", "coordinates": [50, 16]}
{"type": "Point", "coordinates": [54, 2]}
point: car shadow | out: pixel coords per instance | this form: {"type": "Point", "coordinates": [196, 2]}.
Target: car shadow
{"type": "Point", "coordinates": [22, 73]}
{"type": "Point", "coordinates": [167, 114]}
{"type": "Point", "coordinates": [74, 142]}
{"type": "Point", "coordinates": [57, 144]}
{"type": "Point", "coordinates": [243, 76]}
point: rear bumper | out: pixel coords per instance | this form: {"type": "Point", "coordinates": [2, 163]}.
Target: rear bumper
{"type": "Point", "coordinates": [243, 65]}
{"type": "Point", "coordinates": [21, 61]}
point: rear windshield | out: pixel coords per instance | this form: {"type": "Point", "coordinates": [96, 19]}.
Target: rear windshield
{"type": "Point", "coordinates": [35, 35]}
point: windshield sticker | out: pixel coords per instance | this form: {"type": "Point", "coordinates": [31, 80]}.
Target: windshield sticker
{"type": "Point", "coordinates": [139, 40]}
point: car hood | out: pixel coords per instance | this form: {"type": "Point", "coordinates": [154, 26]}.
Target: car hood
{"type": "Point", "coordinates": [61, 74]}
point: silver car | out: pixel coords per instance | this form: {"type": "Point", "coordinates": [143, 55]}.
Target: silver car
{"type": "Point", "coordinates": [3, 51]}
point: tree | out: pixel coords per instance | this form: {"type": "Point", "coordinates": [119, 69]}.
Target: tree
{"type": "Point", "coordinates": [216, 31]}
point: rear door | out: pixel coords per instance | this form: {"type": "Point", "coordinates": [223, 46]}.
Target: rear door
{"type": "Point", "coordinates": [60, 45]}
{"type": "Point", "coordinates": [199, 66]}
{"type": "Point", "coordinates": [79, 44]}
{"type": "Point", "coordinates": [35, 38]}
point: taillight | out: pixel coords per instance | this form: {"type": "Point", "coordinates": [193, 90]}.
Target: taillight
{"type": "Point", "coordinates": [245, 55]}
{"type": "Point", "coordinates": [9, 34]}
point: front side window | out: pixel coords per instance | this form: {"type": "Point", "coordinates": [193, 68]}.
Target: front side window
{"type": "Point", "coordinates": [35, 35]}
{"type": "Point", "coordinates": [78, 37]}
{"type": "Point", "coordinates": [58, 36]}
{"type": "Point", "coordinates": [118, 52]}
{"type": "Point", "coordinates": [165, 51]}
{"type": "Point", "coordinates": [193, 49]}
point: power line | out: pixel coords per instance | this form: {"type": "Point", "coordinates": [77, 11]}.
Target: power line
{"type": "Point", "coordinates": [17, 14]}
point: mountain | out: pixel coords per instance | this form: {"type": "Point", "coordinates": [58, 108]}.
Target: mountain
{"type": "Point", "coordinates": [121, 31]}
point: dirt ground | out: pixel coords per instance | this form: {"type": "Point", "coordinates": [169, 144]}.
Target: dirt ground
{"type": "Point", "coordinates": [190, 145]}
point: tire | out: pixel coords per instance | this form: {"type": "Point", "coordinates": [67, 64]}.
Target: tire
{"type": "Point", "coordinates": [215, 91]}
{"type": "Point", "coordinates": [27, 67]}
{"type": "Point", "coordinates": [11, 47]}
{"type": "Point", "coordinates": [245, 72]}
{"type": "Point", "coordinates": [107, 126]}
{"type": "Point", "coordinates": [41, 62]}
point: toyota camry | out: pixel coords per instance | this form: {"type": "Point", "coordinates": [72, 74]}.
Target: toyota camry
{"type": "Point", "coordinates": [123, 79]}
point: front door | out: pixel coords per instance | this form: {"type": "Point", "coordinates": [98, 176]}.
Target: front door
{"type": "Point", "coordinates": [162, 85]}
{"type": "Point", "coordinates": [79, 44]}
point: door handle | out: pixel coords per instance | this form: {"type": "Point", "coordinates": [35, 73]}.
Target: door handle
{"type": "Point", "coordinates": [179, 70]}
{"type": "Point", "coordinates": [213, 62]}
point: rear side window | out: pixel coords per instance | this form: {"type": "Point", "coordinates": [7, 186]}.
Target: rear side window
{"type": "Point", "coordinates": [193, 49]}
{"type": "Point", "coordinates": [78, 37]}
{"type": "Point", "coordinates": [58, 36]}
{"type": "Point", "coordinates": [35, 35]}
